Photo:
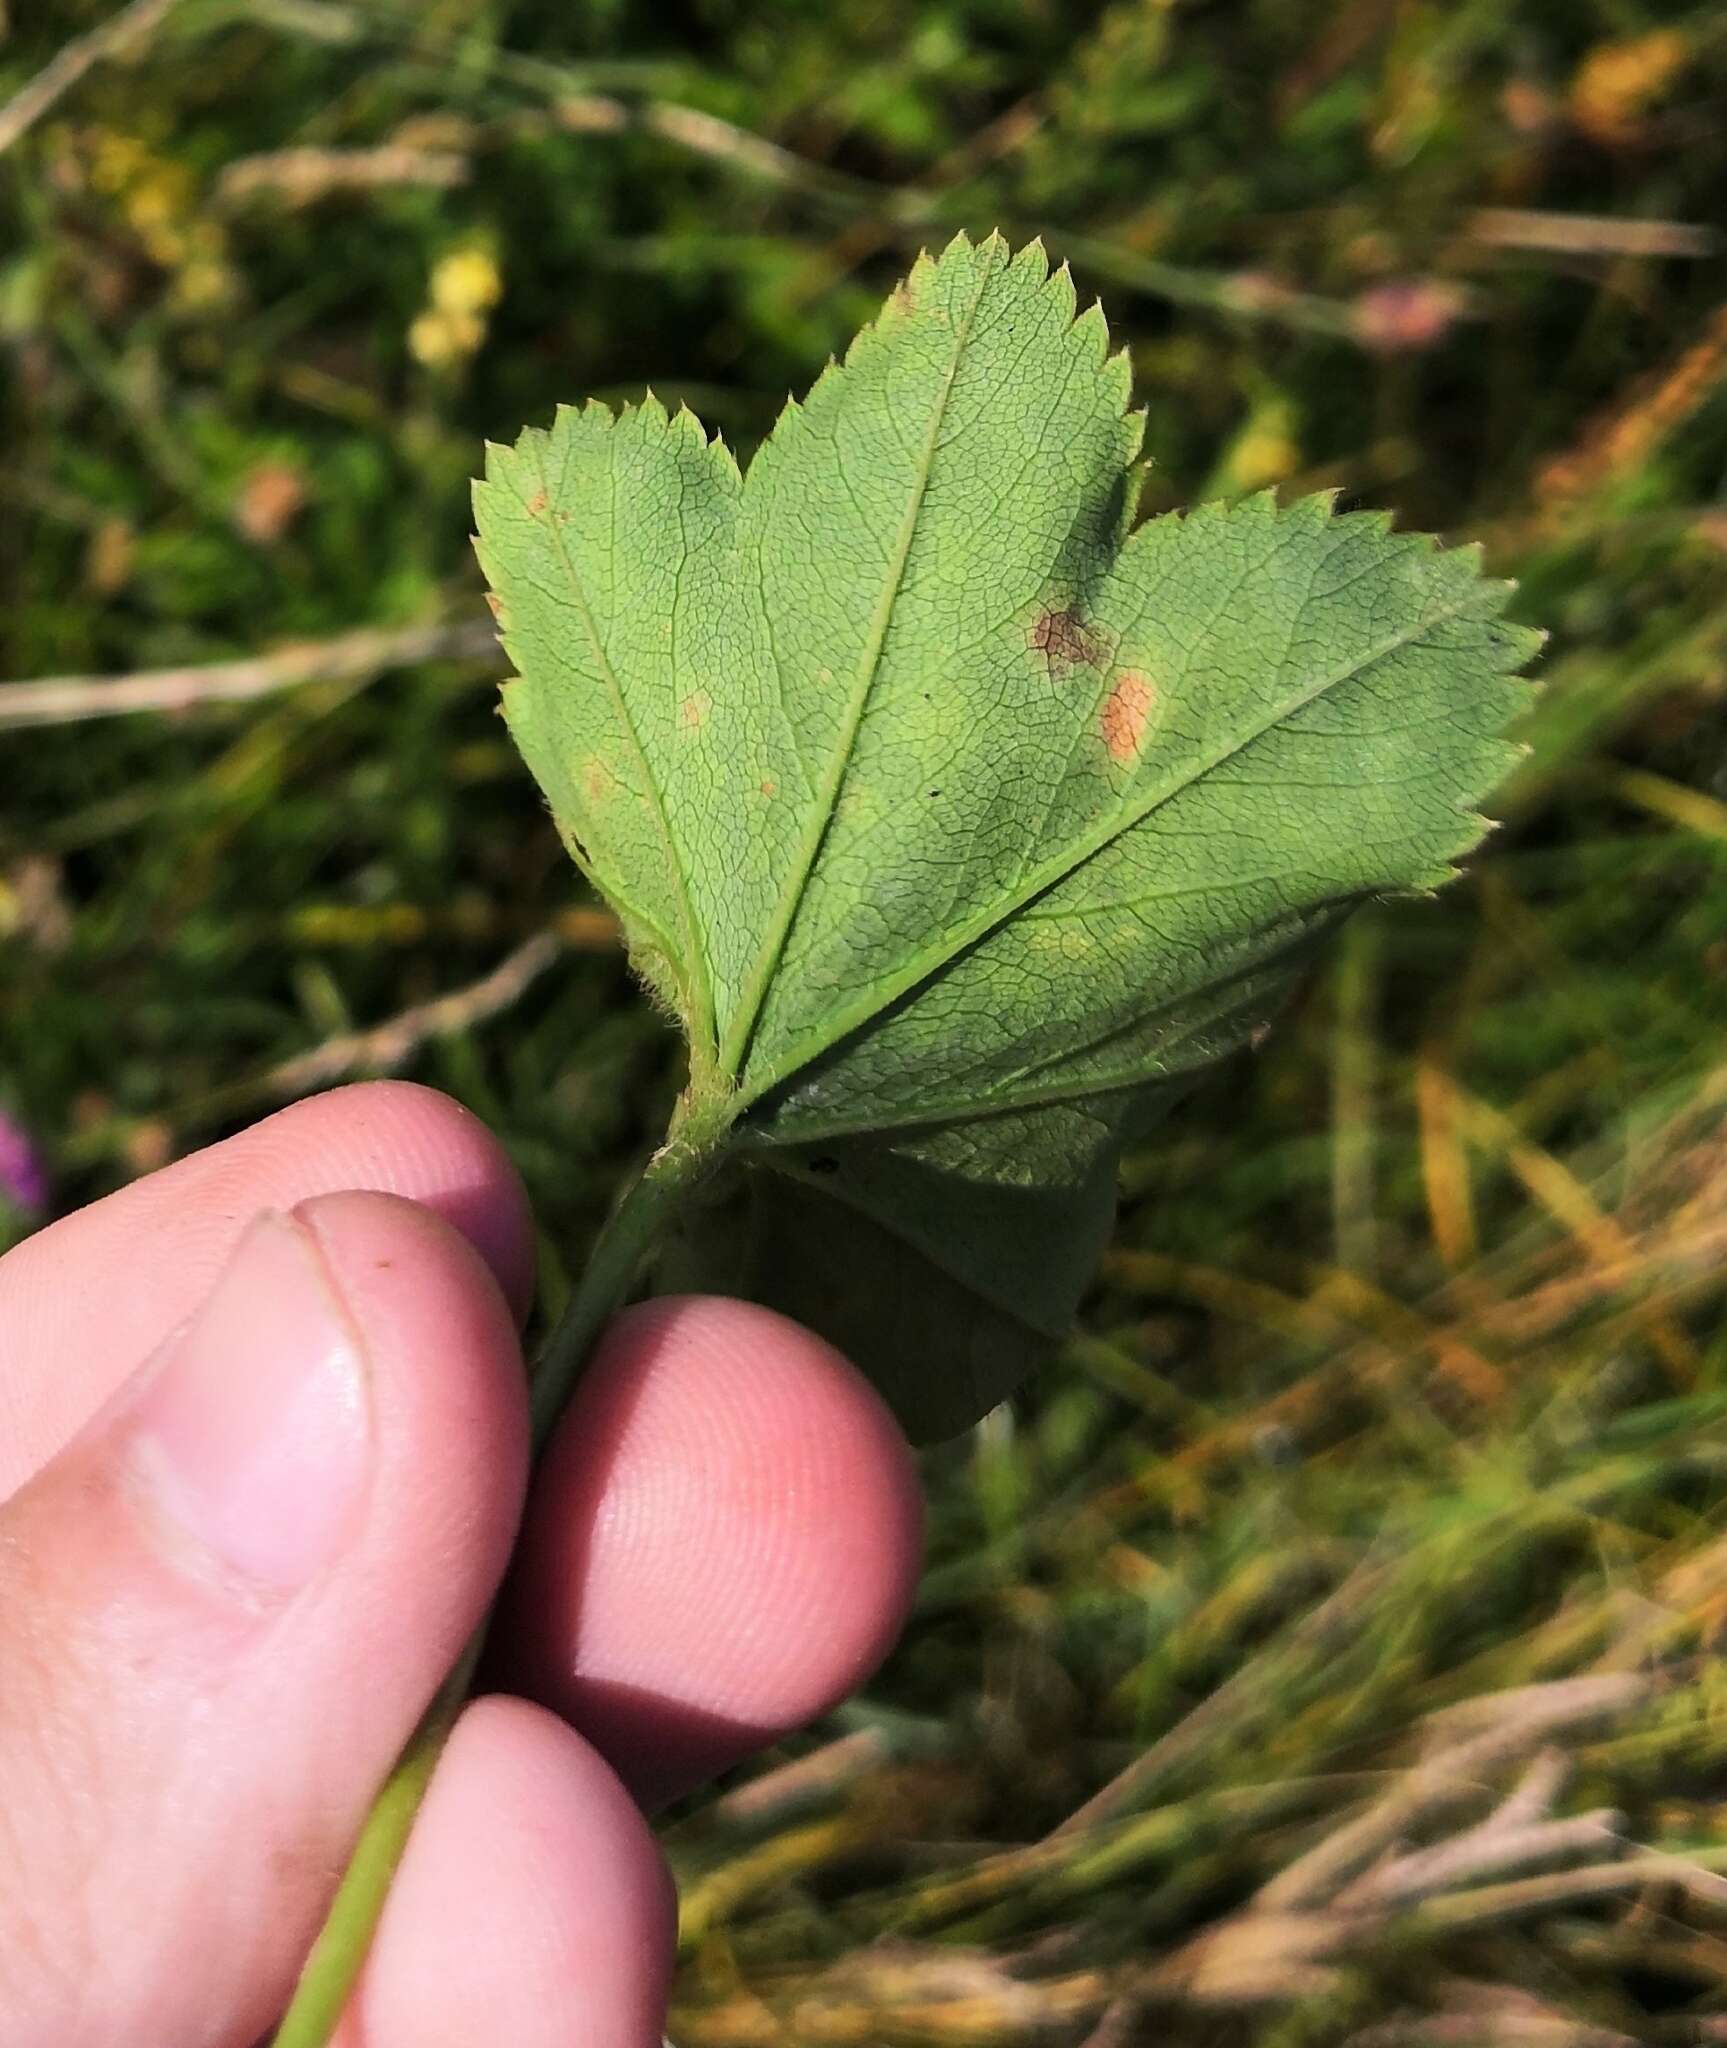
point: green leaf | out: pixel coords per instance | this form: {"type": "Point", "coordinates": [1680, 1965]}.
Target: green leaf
{"type": "Point", "coordinates": [959, 821]}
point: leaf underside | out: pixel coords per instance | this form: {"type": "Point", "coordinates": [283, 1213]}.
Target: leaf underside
{"type": "Point", "coordinates": [959, 820]}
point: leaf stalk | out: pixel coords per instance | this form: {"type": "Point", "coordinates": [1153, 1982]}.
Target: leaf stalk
{"type": "Point", "coordinates": [693, 1142]}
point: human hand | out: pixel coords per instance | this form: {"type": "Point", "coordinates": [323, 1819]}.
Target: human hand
{"type": "Point", "coordinates": [263, 1449]}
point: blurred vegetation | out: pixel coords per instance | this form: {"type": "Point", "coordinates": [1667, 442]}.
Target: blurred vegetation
{"type": "Point", "coordinates": [1351, 1599]}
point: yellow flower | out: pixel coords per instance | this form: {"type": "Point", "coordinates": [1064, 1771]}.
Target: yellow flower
{"type": "Point", "coordinates": [466, 285]}
{"type": "Point", "coordinates": [466, 281]}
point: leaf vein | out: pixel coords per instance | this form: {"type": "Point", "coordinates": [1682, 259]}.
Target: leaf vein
{"type": "Point", "coordinates": [737, 1043]}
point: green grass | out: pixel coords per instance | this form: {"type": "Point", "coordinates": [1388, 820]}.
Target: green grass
{"type": "Point", "coordinates": [1405, 1389]}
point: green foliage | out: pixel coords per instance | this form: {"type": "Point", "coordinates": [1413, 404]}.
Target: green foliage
{"type": "Point", "coordinates": [1434, 1282]}
{"type": "Point", "coordinates": [960, 821]}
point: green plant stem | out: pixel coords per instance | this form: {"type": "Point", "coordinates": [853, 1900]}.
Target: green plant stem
{"type": "Point", "coordinates": [334, 1962]}
{"type": "Point", "coordinates": [340, 1950]}
{"type": "Point", "coordinates": [683, 1160]}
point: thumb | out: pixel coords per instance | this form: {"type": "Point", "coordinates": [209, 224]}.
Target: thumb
{"type": "Point", "coordinates": [222, 1609]}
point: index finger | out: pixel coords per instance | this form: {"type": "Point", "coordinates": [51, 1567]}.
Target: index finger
{"type": "Point", "coordinates": [82, 1302]}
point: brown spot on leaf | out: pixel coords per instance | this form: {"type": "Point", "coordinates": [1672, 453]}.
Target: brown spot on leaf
{"type": "Point", "coordinates": [593, 779]}
{"type": "Point", "coordinates": [769, 787]}
{"type": "Point", "coordinates": [1125, 713]}
{"type": "Point", "coordinates": [693, 711]}
{"type": "Point", "coordinates": [1064, 636]}
{"type": "Point", "coordinates": [494, 604]}
{"type": "Point", "coordinates": [536, 504]}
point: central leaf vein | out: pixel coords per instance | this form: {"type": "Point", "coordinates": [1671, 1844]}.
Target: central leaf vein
{"type": "Point", "coordinates": [735, 1049]}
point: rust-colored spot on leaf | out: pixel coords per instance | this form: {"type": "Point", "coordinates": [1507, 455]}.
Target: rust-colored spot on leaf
{"type": "Point", "coordinates": [768, 787]}
{"type": "Point", "coordinates": [593, 779]}
{"type": "Point", "coordinates": [1064, 636]}
{"type": "Point", "coordinates": [693, 711]}
{"type": "Point", "coordinates": [536, 504]}
{"type": "Point", "coordinates": [1125, 713]}
{"type": "Point", "coordinates": [494, 604]}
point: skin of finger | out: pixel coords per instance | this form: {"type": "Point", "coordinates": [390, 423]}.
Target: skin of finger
{"type": "Point", "coordinates": [82, 1301]}
{"type": "Point", "coordinates": [723, 1541]}
{"type": "Point", "coordinates": [181, 1782]}
{"type": "Point", "coordinates": [532, 1905]}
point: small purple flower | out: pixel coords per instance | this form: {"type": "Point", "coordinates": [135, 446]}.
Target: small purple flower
{"type": "Point", "coordinates": [23, 1182]}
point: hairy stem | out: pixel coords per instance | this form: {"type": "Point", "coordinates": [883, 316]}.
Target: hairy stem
{"type": "Point", "coordinates": [684, 1159]}
{"type": "Point", "coordinates": [336, 1958]}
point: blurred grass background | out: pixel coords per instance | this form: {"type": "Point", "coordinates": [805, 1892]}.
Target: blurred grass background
{"type": "Point", "coordinates": [1330, 1649]}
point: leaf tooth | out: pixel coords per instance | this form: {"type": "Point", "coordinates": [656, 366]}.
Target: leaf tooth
{"type": "Point", "coordinates": [1379, 521]}
{"type": "Point", "coordinates": [508, 474]}
{"type": "Point", "coordinates": [1033, 259]}
{"type": "Point", "coordinates": [1430, 881]}
{"type": "Point", "coordinates": [651, 409]}
{"type": "Point", "coordinates": [725, 461]}
{"type": "Point", "coordinates": [830, 384]}
{"type": "Point", "coordinates": [721, 460]}
{"type": "Point", "coordinates": [1506, 754]}
{"type": "Point", "coordinates": [923, 265]}
{"type": "Point", "coordinates": [1532, 638]}
{"type": "Point", "coordinates": [1315, 508]}
{"type": "Point", "coordinates": [1088, 331]}
{"type": "Point", "coordinates": [1091, 336]}
{"type": "Point", "coordinates": [497, 454]}
{"type": "Point", "coordinates": [790, 422]}
{"type": "Point", "coordinates": [569, 422]}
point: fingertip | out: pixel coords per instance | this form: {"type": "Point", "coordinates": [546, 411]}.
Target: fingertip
{"type": "Point", "coordinates": [723, 1542]}
{"type": "Point", "coordinates": [399, 1137]}
{"type": "Point", "coordinates": [171, 1233]}
{"type": "Point", "coordinates": [532, 1905]}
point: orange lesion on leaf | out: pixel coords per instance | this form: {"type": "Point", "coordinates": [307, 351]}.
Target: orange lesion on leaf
{"type": "Point", "coordinates": [536, 504]}
{"type": "Point", "coordinates": [1126, 713]}
{"type": "Point", "coordinates": [693, 711]}
{"type": "Point", "coordinates": [593, 778]}
{"type": "Point", "coordinates": [1064, 636]}
{"type": "Point", "coordinates": [768, 786]}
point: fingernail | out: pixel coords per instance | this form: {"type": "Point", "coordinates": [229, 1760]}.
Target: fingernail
{"type": "Point", "coordinates": [253, 1433]}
